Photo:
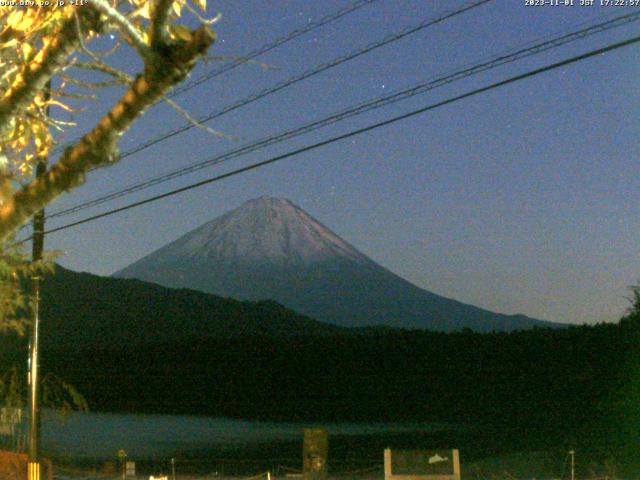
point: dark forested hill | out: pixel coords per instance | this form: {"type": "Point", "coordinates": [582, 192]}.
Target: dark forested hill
{"type": "Point", "coordinates": [531, 389]}
{"type": "Point", "coordinates": [80, 309]}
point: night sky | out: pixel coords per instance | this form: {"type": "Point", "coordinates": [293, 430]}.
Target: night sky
{"type": "Point", "coordinates": [524, 199]}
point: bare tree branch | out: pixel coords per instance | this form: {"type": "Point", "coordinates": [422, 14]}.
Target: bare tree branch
{"type": "Point", "coordinates": [86, 85]}
{"type": "Point", "coordinates": [126, 28]}
{"type": "Point", "coordinates": [189, 118]}
{"type": "Point", "coordinates": [99, 147]}
{"type": "Point", "coordinates": [159, 18]}
{"type": "Point", "coordinates": [201, 19]}
{"type": "Point", "coordinates": [105, 68]}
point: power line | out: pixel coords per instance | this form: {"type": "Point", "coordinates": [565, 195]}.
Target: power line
{"type": "Point", "coordinates": [353, 133]}
{"type": "Point", "coordinates": [361, 108]}
{"type": "Point", "coordinates": [293, 80]}
{"type": "Point", "coordinates": [278, 42]}
{"type": "Point", "coordinates": [308, 74]}
{"type": "Point", "coordinates": [257, 52]}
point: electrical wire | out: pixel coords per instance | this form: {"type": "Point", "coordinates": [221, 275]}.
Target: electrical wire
{"type": "Point", "coordinates": [267, 48]}
{"type": "Point", "coordinates": [361, 108]}
{"type": "Point", "coordinates": [353, 133]}
{"type": "Point", "coordinates": [308, 74]}
{"type": "Point", "coordinates": [305, 75]}
{"type": "Point", "coordinates": [256, 53]}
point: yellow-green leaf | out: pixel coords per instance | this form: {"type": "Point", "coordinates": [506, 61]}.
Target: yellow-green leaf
{"type": "Point", "coordinates": [182, 32]}
{"type": "Point", "coordinates": [177, 7]}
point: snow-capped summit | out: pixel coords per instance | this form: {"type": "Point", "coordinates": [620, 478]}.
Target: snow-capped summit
{"type": "Point", "coordinates": [265, 230]}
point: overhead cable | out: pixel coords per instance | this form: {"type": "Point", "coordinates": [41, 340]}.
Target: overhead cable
{"type": "Point", "coordinates": [307, 74]}
{"type": "Point", "coordinates": [311, 26]}
{"type": "Point", "coordinates": [358, 109]}
{"type": "Point", "coordinates": [352, 133]}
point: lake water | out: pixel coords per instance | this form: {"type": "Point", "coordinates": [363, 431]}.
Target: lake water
{"type": "Point", "coordinates": [100, 435]}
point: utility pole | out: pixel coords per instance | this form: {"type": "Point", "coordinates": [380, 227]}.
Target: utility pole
{"type": "Point", "coordinates": [573, 464]}
{"type": "Point", "coordinates": [37, 247]}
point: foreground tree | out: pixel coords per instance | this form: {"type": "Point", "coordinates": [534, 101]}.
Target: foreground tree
{"type": "Point", "coordinates": [45, 52]}
{"type": "Point", "coordinates": [632, 317]}
{"type": "Point", "coordinates": [57, 395]}
{"type": "Point", "coordinates": [43, 47]}
{"type": "Point", "coordinates": [36, 45]}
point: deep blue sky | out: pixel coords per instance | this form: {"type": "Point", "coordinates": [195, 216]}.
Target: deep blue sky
{"type": "Point", "coordinates": [524, 199]}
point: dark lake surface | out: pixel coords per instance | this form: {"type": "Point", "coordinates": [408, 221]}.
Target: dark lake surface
{"type": "Point", "coordinates": [217, 442]}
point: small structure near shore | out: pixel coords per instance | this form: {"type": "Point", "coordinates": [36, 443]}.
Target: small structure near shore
{"type": "Point", "coordinates": [421, 464]}
{"type": "Point", "coordinates": [315, 449]}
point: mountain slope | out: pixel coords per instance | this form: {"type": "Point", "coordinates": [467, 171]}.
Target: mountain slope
{"type": "Point", "coordinates": [80, 309]}
{"type": "Point", "coordinates": [270, 248]}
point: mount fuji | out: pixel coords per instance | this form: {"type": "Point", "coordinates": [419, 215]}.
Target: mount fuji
{"type": "Point", "coordinates": [269, 248]}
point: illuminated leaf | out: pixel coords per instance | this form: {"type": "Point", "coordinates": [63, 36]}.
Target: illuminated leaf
{"type": "Point", "coordinates": [14, 18]}
{"type": "Point", "coordinates": [27, 51]}
{"type": "Point", "coordinates": [144, 11]}
{"type": "Point", "coordinates": [182, 32]}
{"type": "Point", "coordinates": [177, 7]}
{"type": "Point", "coordinates": [41, 138]}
